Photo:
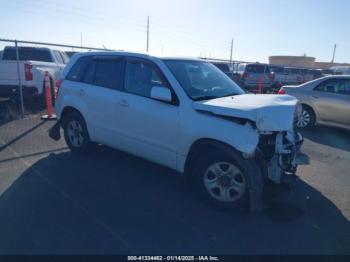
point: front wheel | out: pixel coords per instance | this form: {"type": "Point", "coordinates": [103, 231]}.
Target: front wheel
{"type": "Point", "coordinates": [220, 179]}
{"type": "Point", "coordinates": [76, 133]}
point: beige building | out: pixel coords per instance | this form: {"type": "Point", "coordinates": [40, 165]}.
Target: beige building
{"type": "Point", "coordinates": [302, 61]}
{"type": "Point", "coordinates": [293, 61]}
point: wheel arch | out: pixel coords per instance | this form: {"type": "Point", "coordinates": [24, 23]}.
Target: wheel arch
{"type": "Point", "coordinates": [202, 144]}
{"type": "Point", "coordinates": [67, 110]}
{"type": "Point", "coordinates": [312, 110]}
{"type": "Point", "coordinates": [250, 166]}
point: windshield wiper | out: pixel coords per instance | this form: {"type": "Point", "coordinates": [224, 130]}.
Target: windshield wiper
{"type": "Point", "coordinates": [205, 98]}
{"type": "Point", "coordinates": [212, 97]}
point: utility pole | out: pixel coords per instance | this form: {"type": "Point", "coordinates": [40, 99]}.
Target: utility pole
{"type": "Point", "coordinates": [147, 45]}
{"type": "Point", "coordinates": [81, 41]}
{"type": "Point", "coordinates": [335, 48]}
{"type": "Point", "coordinates": [231, 51]}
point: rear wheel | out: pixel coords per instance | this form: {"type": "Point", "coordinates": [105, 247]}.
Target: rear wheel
{"type": "Point", "coordinates": [76, 133]}
{"type": "Point", "coordinates": [307, 118]}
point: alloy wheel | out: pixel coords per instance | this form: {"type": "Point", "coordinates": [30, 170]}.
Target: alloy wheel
{"type": "Point", "coordinates": [75, 133]}
{"type": "Point", "coordinates": [224, 182]}
{"type": "Point", "coordinates": [304, 119]}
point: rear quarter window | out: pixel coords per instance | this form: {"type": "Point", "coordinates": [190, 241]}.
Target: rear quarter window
{"type": "Point", "coordinates": [77, 70]}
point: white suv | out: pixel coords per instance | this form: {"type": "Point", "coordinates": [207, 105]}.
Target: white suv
{"type": "Point", "coordinates": [181, 113]}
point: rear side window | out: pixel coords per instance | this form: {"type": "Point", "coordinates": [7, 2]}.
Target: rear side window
{"type": "Point", "coordinates": [108, 73]}
{"type": "Point", "coordinates": [104, 72]}
{"type": "Point", "coordinates": [277, 69]}
{"type": "Point", "coordinates": [65, 57]}
{"type": "Point", "coordinates": [295, 71]}
{"type": "Point", "coordinates": [329, 86]}
{"type": "Point", "coordinates": [58, 57]}
{"type": "Point", "coordinates": [337, 86]}
{"type": "Point", "coordinates": [78, 69]}
{"type": "Point", "coordinates": [223, 67]}
{"type": "Point", "coordinates": [257, 69]}
{"type": "Point", "coordinates": [32, 54]}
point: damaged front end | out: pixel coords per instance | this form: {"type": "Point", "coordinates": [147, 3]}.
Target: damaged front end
{"type": "Point", "coordinates": [279, 152]}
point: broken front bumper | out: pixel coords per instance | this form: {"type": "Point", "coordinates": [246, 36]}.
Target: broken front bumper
{"type": "Point", "coordinates": [286, 158]}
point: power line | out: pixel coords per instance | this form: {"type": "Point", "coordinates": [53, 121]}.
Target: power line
{"type": "Point", "coordinates": [147, 34]}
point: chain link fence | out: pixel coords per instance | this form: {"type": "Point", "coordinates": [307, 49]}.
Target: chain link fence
{"type": "Point", "coordinates": [22, 72]}
{"type": "Point", "coordinates": [22, 69]}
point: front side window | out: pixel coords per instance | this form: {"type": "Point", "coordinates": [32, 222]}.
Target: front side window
{"type": "Point", "coordinates": [202, 80]}
{"type": "Point", "coordinates": [141, 76]}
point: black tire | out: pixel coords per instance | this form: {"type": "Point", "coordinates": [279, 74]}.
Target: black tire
{"type": "Point", "coordinates": [308, 118]}
{"type": "Point", "coordinates": [81, 145]}
{"type": "Point", "coordinates": [200, 171]}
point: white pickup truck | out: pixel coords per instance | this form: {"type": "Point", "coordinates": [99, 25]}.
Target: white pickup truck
{"type": "Point", "coordinates": [34, 61]}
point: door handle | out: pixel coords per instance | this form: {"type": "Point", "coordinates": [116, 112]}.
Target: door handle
{"type": "Point", "coordinates": [81, 92]}
{"type": "Point", "coordinates": [123, 103]}
{"type": "Point", "coordinates": [316, 97]}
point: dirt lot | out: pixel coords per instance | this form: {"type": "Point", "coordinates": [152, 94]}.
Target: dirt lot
{"type": "Point", "coordinates": [54, 202]}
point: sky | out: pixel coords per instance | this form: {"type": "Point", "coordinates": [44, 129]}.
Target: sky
{"type": "Point", "coordinates": [260, 28]}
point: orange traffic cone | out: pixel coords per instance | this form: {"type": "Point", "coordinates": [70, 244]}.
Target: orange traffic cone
{"type": "Point", "coordinates": [260, 86]}
{"type": "Point", "coordinates": [50, 112]}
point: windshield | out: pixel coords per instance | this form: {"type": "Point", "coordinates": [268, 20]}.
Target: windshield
{"type": "Point", "coordinates": [202, 80]}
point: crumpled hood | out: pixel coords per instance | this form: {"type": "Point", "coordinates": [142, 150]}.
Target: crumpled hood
{"type": "Point", "coordinates": [269, 112]}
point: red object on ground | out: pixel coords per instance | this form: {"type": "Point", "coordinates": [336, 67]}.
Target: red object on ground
{"type": "Point", "coordinates": [260, 86]}
{"type": "Point", "coordinates": [48, 97]}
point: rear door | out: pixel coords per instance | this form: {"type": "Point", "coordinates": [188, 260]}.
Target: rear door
{"type": "Point", "coordinates": [99, 90]}
{"type": "Point", "coordinates": [331, 100]}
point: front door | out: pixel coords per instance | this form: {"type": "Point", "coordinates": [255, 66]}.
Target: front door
{"type": "Point", "coordinates": [149, 128]}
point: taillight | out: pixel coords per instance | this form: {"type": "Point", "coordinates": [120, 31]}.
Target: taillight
{"type": "Point", "coordinates": [57, 86]}
{"type": "Point", "coordinates": [281, 91]}
{"type": "Point", "coordinates": [28, 72]}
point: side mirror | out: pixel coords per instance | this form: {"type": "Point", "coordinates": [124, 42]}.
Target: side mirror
{"type": "Point", "coordinates": [161, 93]}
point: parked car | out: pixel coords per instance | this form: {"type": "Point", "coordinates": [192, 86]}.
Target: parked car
{"type": "Point", "coordinates": [316, 73]}
{"type": "Point", "coordinates": [252, 73]}
{"type": "Point", "coordinates": [278, 75]}
{"type": "Point", "coordinates": [34, 61]}
{"type": "Point", "coordinates": [341, 70]}
{"type": "Point", "coordinates": [306, 75]}
{"type": "Point", "coordinates": [325, 101]}
{"type": "Point", "coordinates": [185, 114]}
{"type": "Point", "coordinates": [326, 72]}
{"type": "Point", "coordinates": [293, 76]}
{"type": "Point", "coordinates": [224, 67]}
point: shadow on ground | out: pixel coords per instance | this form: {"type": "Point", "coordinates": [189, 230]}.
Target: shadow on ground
{"type": "Point", "coordinates": [330, 136]}
{"type": "Point", "coordinates": [112, 203]}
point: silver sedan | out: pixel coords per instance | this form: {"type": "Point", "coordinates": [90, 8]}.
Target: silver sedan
{"type": "Point", "coordinates": [325, 101]}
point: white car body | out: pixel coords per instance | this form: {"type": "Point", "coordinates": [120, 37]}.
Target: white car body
{"type": "Point", "coordinates": [165, 133]}
{"type": "Point", "coordinates": [9, 81]}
